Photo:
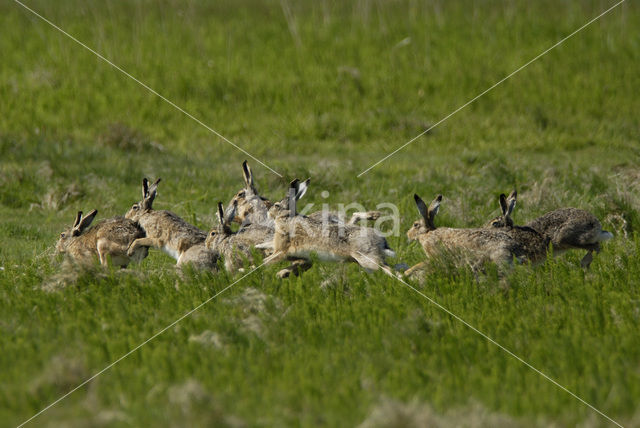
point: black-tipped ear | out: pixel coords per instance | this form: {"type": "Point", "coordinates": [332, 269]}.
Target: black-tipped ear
{"type": "Point", "coordinates": [78, 218]}
{"type": "Point", "coordinates": [248, 175]}
{"type": "Point", "coordinates": [86, 221]}
{"type": "Point", "coordinates": [145, 187]}
{"type": "Point", "coordinates": [302, 188]}
{"type": "Point", "coordinates": [511, 201]}
{"type": "Point", "coordinates": [220, 213]}
{"type": "Point", "coordinates": [232, 212]}
{"type": "Point", "coordinates": [434, 207]}
{"type": "Point", "coordinates": [503, 205]}
{"type": "Point", "coordinates": [422, 207]}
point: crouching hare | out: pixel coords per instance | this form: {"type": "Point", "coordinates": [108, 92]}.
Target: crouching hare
{"type": "Point", "coordinates": [297, 237]}
{"type": "Point", "coordinates": [107, 239]}
{"type": "Point", "coordinates": [564, 228]}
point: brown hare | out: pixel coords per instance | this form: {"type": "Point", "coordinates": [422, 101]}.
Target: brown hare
{"type": "Point", "coordinates": [565, 228]}
{"type": "Point", "coordinates": [164, 229]}
{"type": "Point", "coordinates": [298, 236]}
{"type": "Point", "coordinates": [482, 244]}
{"type": "Point", "coordinates": [107, 239]}
{"type": "Point", "coordinates": [534, 244]}
{"type": "Point", "coordinates": [234, 247]}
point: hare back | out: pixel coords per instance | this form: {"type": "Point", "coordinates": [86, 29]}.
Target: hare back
{"type": "Point", "coordinates": [495, 245]}
{"type": "Point", "coordinates": [299, 236]}
{"type": "Point", "coordinates": [177, 234]}
{"type": "Point", "coordinates": [569, 228]}
{"type": "Point", "coordinates": [199, 257]}
{"type": "Point", "coordinates": [117, 230]}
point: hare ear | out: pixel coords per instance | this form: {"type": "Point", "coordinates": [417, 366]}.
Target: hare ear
{"type": "Point", "coordinates": [302, 188]}
{"type": "Point", "coordinates": [248, 175]}
{"type": "Point", "coordinates": [77, 220]}
{"type": "Point", "coordinates": [291, 196]}
{"type": "Point", "coordinates": [504, 207]}
{"type": "Point", "coordinates": [220, 213]}
{"type": "Point", "coordinates": [85, 221]}
{"type": "Point", "coordinates": [511, 201]}
{"type": "Point", "coordinates": [231, 214]}
{"type": "Point", "coordinates": [422, 207]}
{"type": "Point", "coordinates": [152, 191]}
{"type": "Point", "coordinates": [434, 207]}
{"type": "Point", "coordinates": [145, 188]}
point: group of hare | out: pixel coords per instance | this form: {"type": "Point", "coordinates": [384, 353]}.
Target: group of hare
{"type": "Point", "coordinates": [280, 233]}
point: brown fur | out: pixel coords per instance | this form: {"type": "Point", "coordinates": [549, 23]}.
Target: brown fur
{"type": "Point", "coordinates": [164, 229]}
{"type": "Point", "coordinates": [564, 229]}
{"type": "Point", "coordinates": [298, 237]}
{"type": "Point", "coordinates": [481, 244]}
{"type": "Point", "coordinates": [108, 238]}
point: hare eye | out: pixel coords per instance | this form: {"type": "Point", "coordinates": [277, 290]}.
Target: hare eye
{"type": "Point", "coordinates": [134, 207]}
{"type": "Point", "coordinates": [63, 235]}
{"type": "Point", "coordinates": [213, 233]}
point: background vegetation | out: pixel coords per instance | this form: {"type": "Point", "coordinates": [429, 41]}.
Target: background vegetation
{"type": "Point", "coordinates": [320, 89]}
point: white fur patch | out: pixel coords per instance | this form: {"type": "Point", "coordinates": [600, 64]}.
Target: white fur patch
{"type": "Point", "coordinates": [172, 252]}
{"type": "Point", "coordinates": [325, 256]}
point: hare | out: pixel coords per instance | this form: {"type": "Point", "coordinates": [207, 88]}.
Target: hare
{"type": "Point", "coordinates": [484, 245]}
{"type": "Point", "coordinates": [298, 236]}
{"type": "Point", "coordinates": [233, 247]}
{"type": "Point", "coordinates": [164, 229]}
{"type": "Point", "coordinates": [534, 244]}
{"type": "Point", "coordinates": [108, 238]}
{"type": "Point", "coordinates": [565, 228]}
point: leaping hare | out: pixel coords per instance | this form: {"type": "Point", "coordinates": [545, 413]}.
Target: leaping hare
{"type": "Point", "coordinates": [482, 244]}
{"type": "Point", "coordinates": [566, 228]}
{"type": "Point", "coordinates": [107, 239]}
{"type": "Point", "coordinates": [233, 247]}
{"type": "Point", "coordinates": [164, 229]}
{"type": "Point", "coordinates": [298, 236]}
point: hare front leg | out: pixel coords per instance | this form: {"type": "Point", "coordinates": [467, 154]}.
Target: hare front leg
{"type": "Point", "coordinates": [144, 242]}
{"type": "Point", "coordinates": [414, 268]}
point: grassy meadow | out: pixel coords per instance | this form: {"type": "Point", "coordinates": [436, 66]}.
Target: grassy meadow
{"type": "Point", "coordinates": [323, 90]}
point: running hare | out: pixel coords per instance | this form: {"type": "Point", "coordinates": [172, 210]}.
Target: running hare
{"type": "Point", "coordinates": [298, 236]}
{"type": "Point", "coordinates": [108, 238]}
{"type": "Point", "coordinates": [565, 228]}
{"type": "Point", "coordinates": [481, 244]}
{"type": "Point", "coordinates": [164, 229]}
{"type": "Point", "coordinates": [233, 247]}
{"type": "Point", "coordinates": [534, 244]}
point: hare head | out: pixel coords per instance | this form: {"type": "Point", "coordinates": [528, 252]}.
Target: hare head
{"type": "Point", "coordinates": [425, 224]}
{"type": "Point", "coordinates": [507, 204]}
{"type": "Point", "coordinates": [287, 206]}
{"type": "Point", "coordinates": [80, 224]}
{"type": "Point", "coordinates": [251, 207]}
{"type": "Point", "coordinates": [223, 229]}
{"type": "Point", "coordinates": [146, 204]}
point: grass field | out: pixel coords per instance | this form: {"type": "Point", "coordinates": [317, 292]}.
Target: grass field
{"type": "Point", "coordinates": [322, 90]}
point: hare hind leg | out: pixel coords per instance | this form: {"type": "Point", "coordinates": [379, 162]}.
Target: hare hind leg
{"type": "Point", "coordinates": [117, 252]}
{"type": "Point", "coordinates": [588, 258]}
{"type": "Point", "coordinates": [372, 263]}
{"type": "Point", "coordinates": [296, 268]}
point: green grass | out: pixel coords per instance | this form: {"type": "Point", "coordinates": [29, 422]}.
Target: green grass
{"type": "Point", "coordinates": [320, 90]}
